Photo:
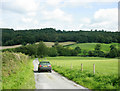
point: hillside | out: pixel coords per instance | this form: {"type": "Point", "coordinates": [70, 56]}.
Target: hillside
{"type": "Point", "coordinates": [91, 46]}
{"type": "Point", "coordinates": [16, 37]}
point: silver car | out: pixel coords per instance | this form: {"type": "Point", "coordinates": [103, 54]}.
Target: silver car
{"type": "Point", "coordinates": [44, 66]}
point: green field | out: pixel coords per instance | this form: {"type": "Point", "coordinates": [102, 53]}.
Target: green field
{"type": "Point", "coordinates": [91, 46]}
{"type": "Point", "coordinates": [106, 75]}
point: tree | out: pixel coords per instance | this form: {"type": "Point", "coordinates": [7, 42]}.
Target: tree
{"type": "Point", "coordinates": [84, 52]}
{"type": "Point", "coordinates": [119, 52]}
{"type": "Point", "coordinates": [56, 44]}
{"type": "Point", "coordinates": [10, 36]}
{"type": "Point", "coordinates": [60, 49]}
{"type": "Point", "coordinates": [112, 47]}
{"type": "Point", "coordinates": [52, 52]}
{"type": "Point", "coordinates": [42, 50]}
{"type": "Point", "coordinates": [24, 43]}
{"type": "Point", "coordinates": [90, 53]}
{"type": "Point", "coordinates": [101, 54]}
{"type": "Point", "coordinates": [113, 51]}
{"type": "Point", "coordinates": [74, 53]}
{"type": "Point", "coordinates": [78, 49]}
{"type": "Point", "coordinates": [98, 47]}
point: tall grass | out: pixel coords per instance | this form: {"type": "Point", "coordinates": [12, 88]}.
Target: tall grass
{"type": "Point", "coordinates": [17, 71]}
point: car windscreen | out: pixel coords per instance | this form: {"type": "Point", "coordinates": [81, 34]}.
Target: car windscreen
{"type": "Point", "coordinates": [44, 63]}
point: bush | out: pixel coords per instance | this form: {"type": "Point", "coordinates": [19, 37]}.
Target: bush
{"type": "Point", "coordinates": [52, 52]}
{"type": "Point", "coordinates": [78, 49]}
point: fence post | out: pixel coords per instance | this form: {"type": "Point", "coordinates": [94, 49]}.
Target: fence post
{"type": "Point", "coordinates": [81, 67]}
{"type": "Point", "coordinates": [94, 68]}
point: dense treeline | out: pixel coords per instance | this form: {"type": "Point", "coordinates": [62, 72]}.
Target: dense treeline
{"type": "Point", "coordinates": [15, 37]}
{"type": "Point", "coordinates": [41, 50]}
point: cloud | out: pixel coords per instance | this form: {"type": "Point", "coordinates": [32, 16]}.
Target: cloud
{"type": "Point", "coordinates": [104, 19]}
{"type": "Point", "coordinates": [107, 18]}
{"type": "Point", "coordinates": [85, 3]}
{"type": "Point", "coordinates": [110, 15]}
{"type": "Point", "coordinates": [26, 19]}
{"type": "Point", "coordinates": [54, 2]}
{"type": "Point", "coordinates": [57, 15]}
{"type": "Point", "coordinates": [86, 20]}
{"type": "Point", "coordinates": [20, 6]}
{"type": "Point", "coordinates": [80, 1]}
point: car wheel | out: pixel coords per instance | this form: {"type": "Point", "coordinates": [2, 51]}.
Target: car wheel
{"type": "Point", "coordinates": [50, 71]}
{"type": "Point", "coordinates": [38, 70]}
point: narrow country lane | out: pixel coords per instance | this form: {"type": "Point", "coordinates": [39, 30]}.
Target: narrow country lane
{"type": "Point", "coordinates": [46, 80]}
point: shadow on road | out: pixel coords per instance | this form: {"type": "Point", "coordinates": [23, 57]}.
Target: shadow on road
{"type": "Point", "coordinates": [35, 71]}
{"type": "Point", "coordinates": [41, 71]}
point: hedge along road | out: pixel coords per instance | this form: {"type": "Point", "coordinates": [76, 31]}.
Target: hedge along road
{"type": "Point", "coordinates": [46, 80]}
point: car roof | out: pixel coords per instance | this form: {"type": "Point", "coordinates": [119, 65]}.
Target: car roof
{"type": "Point", "coordinates": [44, 62]}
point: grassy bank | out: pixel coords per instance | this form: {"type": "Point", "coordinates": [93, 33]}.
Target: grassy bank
{"type": "Point", "coordinates": [17, 71]}
{"type": "Point", "coordinates": [106, 76]}
{"type": "Point", "coordinates": [91, 46]}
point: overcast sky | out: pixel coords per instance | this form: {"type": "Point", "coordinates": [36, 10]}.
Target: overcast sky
{"type": "Point", "coordinates": [59, 14]}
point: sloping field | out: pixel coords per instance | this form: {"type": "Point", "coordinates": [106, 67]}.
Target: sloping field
{"type": "Point", "coordinates": [91, 46]}
{"type": "Point", "coordinates": [7, 47]}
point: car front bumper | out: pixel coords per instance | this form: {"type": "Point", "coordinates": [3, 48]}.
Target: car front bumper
{"type": "Point", "coordinates": [44, 68]}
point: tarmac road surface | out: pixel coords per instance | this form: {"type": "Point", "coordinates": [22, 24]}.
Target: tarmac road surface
{"type": "Point", "coordinates": [46, 80]}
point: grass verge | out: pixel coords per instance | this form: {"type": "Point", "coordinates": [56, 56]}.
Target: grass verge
{"type": "Point", "coordinates": [88, 79]}
{"type": "Point", "coordinates": [17, 71]}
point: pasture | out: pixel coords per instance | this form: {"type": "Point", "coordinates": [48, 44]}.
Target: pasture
{"type": "Point", "coordinates": [106, 71]}
{"type": "Point", "coordinates": [102, 65]}
{"type": "Point", "coordinates": [91, 46]}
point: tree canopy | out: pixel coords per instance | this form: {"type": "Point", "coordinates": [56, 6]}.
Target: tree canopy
{"type": "Point", "coordinates": [15, 37]}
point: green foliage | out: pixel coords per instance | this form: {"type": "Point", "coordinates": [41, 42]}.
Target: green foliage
{"type": "Point", "coordinates": [81, 49]}
{"type": "Point", "coordinates": [17, 71]}
{"type": "Point", "coordinates": [78, 49]}
{"type": "Point", "coordinates": [24, 43]}
{"type": "Point", "coordinates": [98, 50]}
{"type": "Point", "coordinates": [112, 47]}
{"type": "Point", "coordinates": [62, 51]}
{"type": "Point", "coordinates": [84, 52]}
{"type": "Point", "coordinates": [52, 52]}
{"type": "Point", "coordinates": [12, 37]}
{"type": "Point", "coordinates": [42, 50]}
{"type": "Point", "coordinates": [91, 46]}
{"type": "Point", "coordinates": [90, 53]}
{"type": "Point", "coordinates": [56, 44]}
{"type": "Point", "coordinates": [97, 47]}
{"type": "Point", "coordinates": [28, 49]}
{"type": "Point", "coordinates": [113, 53]}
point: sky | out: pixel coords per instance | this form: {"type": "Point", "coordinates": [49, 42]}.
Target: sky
{"type": "Point", "coordinates": [59, 14]}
